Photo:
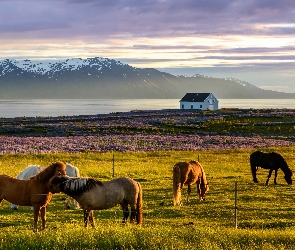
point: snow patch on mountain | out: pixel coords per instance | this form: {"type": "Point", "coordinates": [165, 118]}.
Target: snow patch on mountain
{"type": "Point", "coordinates": [47, 67]}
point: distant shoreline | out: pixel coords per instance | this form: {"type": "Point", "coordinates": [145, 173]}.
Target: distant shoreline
{"type": "Point", "coordinates": [72, 107]}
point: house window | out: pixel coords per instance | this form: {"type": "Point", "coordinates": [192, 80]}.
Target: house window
{"type": "Point", "coordinates": [201, 106]}
{"type": "Point", "coordinates": [182, 106]}
{"type": "Point", "coordinates": [192, 106]}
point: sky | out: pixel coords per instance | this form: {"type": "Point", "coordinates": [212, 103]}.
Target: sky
{"type": "Point", "coordinates": [251, 40]}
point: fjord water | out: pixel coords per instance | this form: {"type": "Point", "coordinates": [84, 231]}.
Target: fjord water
{"type": "Point", "coordinates": [69, 107]}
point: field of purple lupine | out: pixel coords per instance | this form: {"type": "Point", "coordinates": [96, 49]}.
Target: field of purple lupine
{"type": "Point", "coordinates": [149, 131]}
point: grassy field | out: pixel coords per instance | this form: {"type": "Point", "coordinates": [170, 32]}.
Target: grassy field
{"type": "Point", "coordinates": [266, 214]}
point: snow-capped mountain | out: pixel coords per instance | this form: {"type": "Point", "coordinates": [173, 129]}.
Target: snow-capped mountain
{"type": "Point", "coordinates": [52, 67]}
{"type": "Point", "coordinates": [106, 78]}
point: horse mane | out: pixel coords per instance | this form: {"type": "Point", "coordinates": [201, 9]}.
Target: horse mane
{"type": "Point", "coordinates": [194, 162]}
{"type": "Point", "coordinates": [203, 177]}
{"type": "Point", "coordinates": [46, 174]}
{"type": "Point", "coordinates": [74, 186]}
{"type": "Point", "coordinates": [287, 170]}
{"type": "Point", "coordinates": [284, 165]}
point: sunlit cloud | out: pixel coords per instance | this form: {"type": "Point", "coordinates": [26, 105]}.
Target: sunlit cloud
{"type": "Point", "coordinates": [153, 33]}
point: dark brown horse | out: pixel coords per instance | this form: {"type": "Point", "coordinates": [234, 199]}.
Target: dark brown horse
{"type": "Point", "coordinates": [96, 195]}
{"type": "Point", "coordinates": [33, 192]}
{"type": "Point", "coordinates": [188, 173]}
{"type": "Point", "coordinates": [272, 161]}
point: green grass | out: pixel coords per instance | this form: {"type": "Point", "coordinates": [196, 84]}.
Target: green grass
{"type": "Point", "coordinates": [266, 214]}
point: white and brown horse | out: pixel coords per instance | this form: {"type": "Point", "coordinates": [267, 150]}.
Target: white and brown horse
{"type": "Point", "coordinates": [93, 194]}
{"type": "Point", "coordinates": [188, 173]}
{"type": "Point", "coordinates": [33, 192]}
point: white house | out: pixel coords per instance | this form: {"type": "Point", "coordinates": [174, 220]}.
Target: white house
{"type": "Point", "coordinates": [201, 101]}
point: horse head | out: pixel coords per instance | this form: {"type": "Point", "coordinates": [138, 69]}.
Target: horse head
{"type": "Point", "coordinates": [203, 188]}
{"type": "Point", "coordinates": [289, 176]}
{"type": "Point", "coordinates": [55, 184]}
{"type": "Point", "coordinates": [60, 168]}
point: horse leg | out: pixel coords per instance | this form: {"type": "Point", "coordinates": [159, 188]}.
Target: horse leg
{"type": "Point", "coordinates": [254, 169]}
{"type": "Point", "coordinates": [276, 174]}
{"type": "Point", "coordinates": [76, 205]}
{"type": "Point", "coordinates": [124, 206]}
{"type": "Point", "coordinates": [189, 189]}
{"type": "Point", "coordinates": [36, 215]}
{"type": "Point", "coordinates": [199, 189]}
{"type": "Point", "coordinates": [91, 218]}
{"type": "Point", "coordinates": [268, 177]}
{"type": "Point", "coordinates": [68, 205]}
{"type": "Point", "coordinates": [133, 215]}
{"type": "Point", "coordinates": [14, 207]}
{"type": "Point", "coordinates": [43, 217]}
{"type": "Point", "coordinates": [86, 218]}
{"type": "Point", "coordinates": [133, 212]}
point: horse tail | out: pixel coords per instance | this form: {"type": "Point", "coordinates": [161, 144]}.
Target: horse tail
{"type": "Point", "coordinates": [176, 185]}
{"type": "Point", "coordinates": [139, 215]}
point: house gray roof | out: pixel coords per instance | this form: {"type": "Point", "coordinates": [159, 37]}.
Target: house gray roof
{"type": "Point", "coordinates": [195, 97]}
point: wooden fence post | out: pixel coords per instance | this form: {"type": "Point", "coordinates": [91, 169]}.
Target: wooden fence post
{"type": "Point", "coordinates": [236, 206]}
{"type": "Point", "coordinates": [113, 165]}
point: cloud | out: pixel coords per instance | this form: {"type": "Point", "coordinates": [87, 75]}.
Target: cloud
{"type": "Point", "coordinates": [154, 33]}
{"type": "Point", "coordinates": [146, 18]}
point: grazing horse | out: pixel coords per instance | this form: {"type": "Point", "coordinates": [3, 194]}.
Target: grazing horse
{"type": "Point", "coordinates": [33, 192]}
{"type": "Point", "coordinates": [30, 171]}
{"type": "Point", "coordinates": [188, 173]}
{"type": "Point", "coordinates": [272, 161]}
{"type": "Point", "coordinates": [96, 195]}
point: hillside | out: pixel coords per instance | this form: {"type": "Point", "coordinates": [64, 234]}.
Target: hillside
{"type": "Point", "coordinates": [100, 78]}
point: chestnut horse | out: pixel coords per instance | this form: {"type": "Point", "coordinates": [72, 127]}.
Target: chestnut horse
{"type": "Point", "coordinates": [30, 171]}
{"type": "Point", "coordinates": [96, 195]}
{"type": "Point", "coordinates": [33, 192]}
{"type": "Point", "coordinates": [272, 161]}
{"type": "Point", "coordinates": [188, 173]}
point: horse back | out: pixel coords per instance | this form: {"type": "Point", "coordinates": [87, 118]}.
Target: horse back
{"type": "Point", "coordinates": [189, 172]}
{"type": "Point", "coordinates": [181, 171]}
{"type": "Point", "coordinates": [72, 171]}
{"type": "Point", "coordinates": [29, 172]}
{"type": "Point", "coordinates": [108, 194]}
{"type": "Point", "coordinates": [15, 191]}
{"type": "Point", "coordinates": [267, 160]}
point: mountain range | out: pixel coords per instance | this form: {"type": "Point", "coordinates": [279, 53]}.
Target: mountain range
{"type": "Point", "coordinates": [102, 78]}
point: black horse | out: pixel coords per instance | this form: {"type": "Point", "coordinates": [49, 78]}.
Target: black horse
{"type": "Point", "coordinates": [272, 161]}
